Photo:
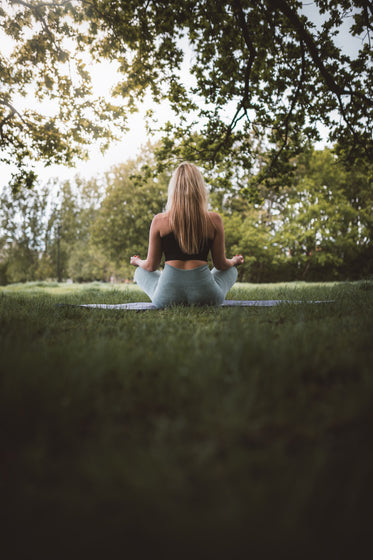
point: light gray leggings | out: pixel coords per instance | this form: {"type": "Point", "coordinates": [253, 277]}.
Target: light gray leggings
{"type": "Point", "coordinates": [198, 286]}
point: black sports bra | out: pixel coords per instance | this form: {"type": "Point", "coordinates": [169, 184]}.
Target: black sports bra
{"type": "Point", "coordinates": [173, 252]}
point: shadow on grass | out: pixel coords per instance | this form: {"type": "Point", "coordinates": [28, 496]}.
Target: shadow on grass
{"type": "Point", "coordinates": [186, 432]}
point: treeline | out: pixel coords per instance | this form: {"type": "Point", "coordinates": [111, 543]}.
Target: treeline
{"type": "Point", "coordinates": [318, 226]}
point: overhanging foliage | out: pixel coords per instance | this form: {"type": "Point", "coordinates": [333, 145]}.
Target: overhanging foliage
{"type": "Point", "coordinates": [261, 71]}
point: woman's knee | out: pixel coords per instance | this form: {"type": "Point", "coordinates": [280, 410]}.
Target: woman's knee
{"type": "Point", "coordinates": [229, 274]}
{"type": "Point", "coordinates": [148, 281]}
{"type": "Point", "coordinates": [136, 275]}
{"type": "Point", "coordinates": [225, 278]}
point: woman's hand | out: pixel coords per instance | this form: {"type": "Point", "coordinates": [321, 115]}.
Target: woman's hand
{"type": "Point", "coordinates": [135, 260]}
{"type": "Point", "coordinates": [237, 260]}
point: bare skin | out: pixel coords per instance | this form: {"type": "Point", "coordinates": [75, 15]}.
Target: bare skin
{"type": "Point", "coordinates": [160, 227]}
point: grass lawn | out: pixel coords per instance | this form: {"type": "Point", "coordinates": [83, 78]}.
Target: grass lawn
{"type": "Point", "coordinates": [189, 432]}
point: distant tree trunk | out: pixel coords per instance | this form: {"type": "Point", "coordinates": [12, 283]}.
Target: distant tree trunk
{"type": "Point", "coordinates": [59, 279]}
{"type": "Point", "coordinates": [306, 269]}
{"type": "Point", "coordinates": [260, 272]}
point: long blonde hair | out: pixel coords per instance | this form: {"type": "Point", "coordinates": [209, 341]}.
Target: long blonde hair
{"type": "Point", "coordinates": [187, 207]}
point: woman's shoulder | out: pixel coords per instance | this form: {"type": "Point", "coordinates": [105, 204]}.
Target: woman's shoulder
{"type": "Point", "coordinates": [161, 217]}
{"type": "Point", "coordinates": [215, 218]}
{"type": "Point", "coordinates": [161, 222]}
{"type": "Point", "coordinates": [216, 224]}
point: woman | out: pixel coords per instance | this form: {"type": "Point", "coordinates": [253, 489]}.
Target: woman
{"type": "Point", "coordinates": [185, 233]}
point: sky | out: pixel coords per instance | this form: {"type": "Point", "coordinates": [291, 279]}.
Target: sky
{"type": "Point", "coordinates": [103, 75]}
{"type": "Point", "coordinates": [119, 152]}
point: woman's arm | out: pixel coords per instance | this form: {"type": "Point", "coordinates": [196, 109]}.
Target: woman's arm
{"type": "Point", "coordinates": [218, 247]}
{"type": "Point", "coordinates": [153, 260]}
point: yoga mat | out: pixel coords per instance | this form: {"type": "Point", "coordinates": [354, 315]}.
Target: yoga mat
{"type": "Point", "coordinates": [143, 305]}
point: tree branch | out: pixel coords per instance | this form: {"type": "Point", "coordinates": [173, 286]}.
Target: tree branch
{"type": "Point", "coordinates": [35, 9]}
{"type": "Point", "coordinates": [293, 17]}
{"type": "Point", "coordinates": [13, 111]}
{"type": "Point", "coordinates": [41, 5]}
{"type": "Point", "coordinates": [370, 6]}
{"type": "Point", "coordinates": [287, 118]}
{"type": "Point", "coordinates": [240, 17]}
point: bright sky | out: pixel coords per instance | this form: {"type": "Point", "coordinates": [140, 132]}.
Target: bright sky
{"type": "Point", "coordinates": [119, 152]}
{"type": "Point", "coordinates": [103, 75]}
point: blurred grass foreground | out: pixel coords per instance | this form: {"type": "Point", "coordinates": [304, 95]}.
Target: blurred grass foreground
{"type": "Point", "coordinates": [188, 432]}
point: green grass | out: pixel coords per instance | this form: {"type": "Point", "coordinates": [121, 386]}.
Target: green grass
{"type": "Point", "coordinates": [187, 432]}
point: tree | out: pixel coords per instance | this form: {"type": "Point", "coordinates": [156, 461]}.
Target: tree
{"type": "Point", "coordinates": [45, 233]}
{"type": "Point", "coordinates": [23, 227]}
{"type": "Point", "coordinates": [84, 260]}
{"type": "Point", "coordinates": [74, 208]}
{"type": "Point", "coordinates": [261, 71]}
{"type": "Point", "coordinates": [46, 65]}
{"type": "Point", "coordinates": [324, 220]}
{"type": "Point", "coordinates": [132, 197]}
{"type": "Point", "coordinates": [82, 229]}
{"type": "Point", "coordinates": [318, 227]}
